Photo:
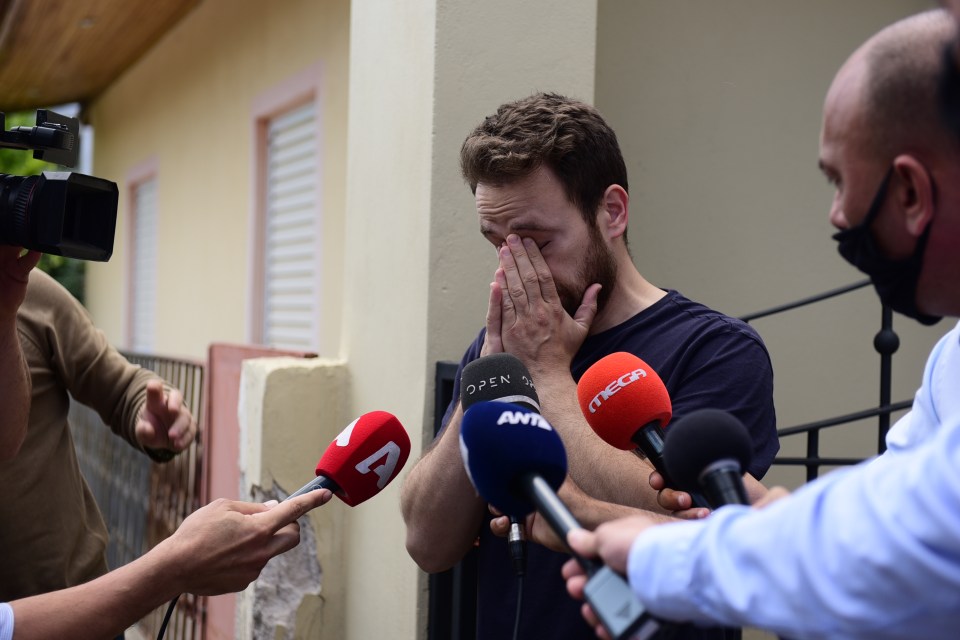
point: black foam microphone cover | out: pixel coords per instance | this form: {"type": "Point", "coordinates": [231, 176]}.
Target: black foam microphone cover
{"type": "Point", "coordinates": [706, 449]}
{"type": "Point", "coordinates": [499, 377]}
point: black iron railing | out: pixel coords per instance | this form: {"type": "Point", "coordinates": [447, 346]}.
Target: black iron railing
{"type": "Point", "coordinates": [885, 342]}
{"type": "Point", "coordinates": [143, 502]}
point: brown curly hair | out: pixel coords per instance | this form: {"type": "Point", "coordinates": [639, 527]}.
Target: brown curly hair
{"type": "Point", "coordinates": [547, 129]}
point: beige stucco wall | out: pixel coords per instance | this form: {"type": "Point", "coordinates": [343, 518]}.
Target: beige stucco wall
{"type": "Point", "coordinates": [423, 298]}
{"type": "Point", "coordinates": [717, 108]}
{"type": "Point", "coordinates": [187, 105]}
{"type": "Point", "coordinates": [290, 409]}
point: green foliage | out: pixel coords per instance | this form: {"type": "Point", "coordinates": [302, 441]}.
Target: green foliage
{"type": "Point", "coordinates": [67, 271]}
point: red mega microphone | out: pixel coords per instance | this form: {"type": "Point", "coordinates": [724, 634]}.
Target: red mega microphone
{"type": "Point", "coordinates": [627, 405]}
{"type": "Point", "coordinates": [621, 396]}
{"type": "Point", "coordinates": [362, 460]}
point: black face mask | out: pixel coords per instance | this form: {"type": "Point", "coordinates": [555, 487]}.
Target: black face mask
{"type": "Point", "coordinates": [894, 280]}
{"type": "Point", "coordinates": [949, 89]}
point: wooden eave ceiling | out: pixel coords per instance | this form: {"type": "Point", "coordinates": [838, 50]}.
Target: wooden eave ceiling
{"type": "Point", "coordinates": [53, 52]}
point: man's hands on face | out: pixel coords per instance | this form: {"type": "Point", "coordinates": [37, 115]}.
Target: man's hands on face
{"type": "Point", "coordinates": [525, 314]}
{"type": "Point", "coordinates": [165, 423]}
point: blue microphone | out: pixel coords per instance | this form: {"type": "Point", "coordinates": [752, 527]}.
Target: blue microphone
{"type": "Point", "coordinates": [516, 462]}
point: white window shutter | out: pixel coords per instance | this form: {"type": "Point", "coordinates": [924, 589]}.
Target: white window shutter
{"type": "Point", "coordinates": [291, 288]}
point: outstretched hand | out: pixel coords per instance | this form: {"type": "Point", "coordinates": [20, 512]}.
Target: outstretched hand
{"type": "Point", "coordinates": [223, 546]}
{"type": "Point", "coordinates": [165, 423]}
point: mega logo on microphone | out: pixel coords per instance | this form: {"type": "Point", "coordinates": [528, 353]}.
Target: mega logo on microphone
{"type": "Point", "coordinates": [620, 393]}
{"type": "Point", "coordinates": [366, 456]}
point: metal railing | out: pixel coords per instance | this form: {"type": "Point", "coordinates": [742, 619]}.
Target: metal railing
{"type": "Point", "coordinates": [885, 342]}
{"type": "Point", "coordinates": [143, 502]}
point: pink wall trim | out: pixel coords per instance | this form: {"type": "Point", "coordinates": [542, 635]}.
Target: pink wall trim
{"type": "Point", "coordinates": [136, 175]}
{"type": "Point", "coordinates": [221, 452]}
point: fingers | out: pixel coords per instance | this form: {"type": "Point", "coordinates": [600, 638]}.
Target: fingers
{"type": "Point", "coordinates": [656, 481]}
{"type": "Point", "coordinates": [493, 343]}
{"type": "Point", "coordinates": [290, 510]}
{"type": "Point", "coordinates": [583, 542]}
{"type": "Point", "coordinates": [528, 278]}
{"type": "Point", "coordinates": [587, 310]}
{"type": "Point", "coordinates": [571, 569]}
{"type": "Point", "coordinates": [27, 262]}
{"type": "Point", "coordinates": [771, 496]}
{"type": "Point", "coordinates": [500, 526]}
{"type": "Point", "coordinates": [155, 401]}
{"type": "Point", "coordinates": [674, 500]}
{"type": "Point", "coordinates": [546, 287]}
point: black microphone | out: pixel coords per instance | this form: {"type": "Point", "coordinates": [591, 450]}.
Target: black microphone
{"type": "Point", "coordinates": [709, 449]}
{"type": "Point", "coordinates": [501, 377]}
{"type": "Point", "coordinates": [516, 461]}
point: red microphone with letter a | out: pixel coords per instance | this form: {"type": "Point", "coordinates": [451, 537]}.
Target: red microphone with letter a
{"type": "Point", "coordinates": [363, 459]}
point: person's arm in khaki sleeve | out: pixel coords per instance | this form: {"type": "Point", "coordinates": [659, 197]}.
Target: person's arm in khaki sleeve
{"type": "Point", "coordinates": [133, 401]}
{"type": "Point", "coordinates": [14, 374]}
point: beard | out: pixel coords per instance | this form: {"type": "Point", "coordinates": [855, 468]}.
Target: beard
{"type": "Point", "coordinates": [597, 266]}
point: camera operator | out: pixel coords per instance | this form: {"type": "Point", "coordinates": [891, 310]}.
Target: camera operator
{"type": "Point", "coordinates": [63, 543]}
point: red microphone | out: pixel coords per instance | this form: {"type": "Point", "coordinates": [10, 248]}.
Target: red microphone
{"type": "Point", "coordinates": [362, 460]}
{"type": "Point", "coordinates": [620, 396]}
{"type": "Point", "coordinates": [625, 402]}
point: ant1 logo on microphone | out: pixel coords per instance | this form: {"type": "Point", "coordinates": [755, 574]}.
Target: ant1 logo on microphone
{"type": "Point", "coordinates": [524, 417]}
{"type": "Point", "coordinates": [620, 383]}
{"type": "Point", "coordinates": [503, 380]}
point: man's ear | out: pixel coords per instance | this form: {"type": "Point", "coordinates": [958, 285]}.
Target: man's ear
{"type": "Point", "coordinates": [915, 196]}
{"type": "Point", "coordinates": [614, 213]}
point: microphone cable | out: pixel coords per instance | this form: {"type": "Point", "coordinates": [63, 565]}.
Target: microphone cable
{"type": "Point", "coordinates": [516, 621]}
{"type": "Point", "coordinates": [518, 552]}
{"type": "Point", "coordinates": [166, 617]}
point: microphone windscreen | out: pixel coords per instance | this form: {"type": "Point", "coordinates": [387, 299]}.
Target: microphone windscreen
{"type": "Point", "coordinates": [501, 443]}
{"type": "Point", "coordinates": [701, 438]}
{"type": "Point", "coordinates": [498, 376]}
{"type": "Point", "coordinates": [619, 394]}
{"type": "Point", "coordinates": [366, 456]}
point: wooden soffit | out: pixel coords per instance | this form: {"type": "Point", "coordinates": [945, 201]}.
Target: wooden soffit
{"type": "Point", "coordinates": [54, 52]}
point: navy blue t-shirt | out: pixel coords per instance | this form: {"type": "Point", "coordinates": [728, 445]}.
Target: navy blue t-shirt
{"type": "Point", "coordinates": [706, 360]}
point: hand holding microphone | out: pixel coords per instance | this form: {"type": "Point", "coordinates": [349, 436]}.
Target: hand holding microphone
{"type": "Point", "coordinates": [361, 461]}
{"type": "Point", "coordinates": [516, 461]}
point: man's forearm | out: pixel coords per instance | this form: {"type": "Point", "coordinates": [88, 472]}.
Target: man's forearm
{"type": "Point", "coordinates": [440, 507]}
{"type": "Point", "coordinates": [600, 470]}
{"type": "Point", "coordinates": [101, 608]}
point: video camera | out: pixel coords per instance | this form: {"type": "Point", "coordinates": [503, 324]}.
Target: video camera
{"type": "Point", "coordinates": [64, 213]}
